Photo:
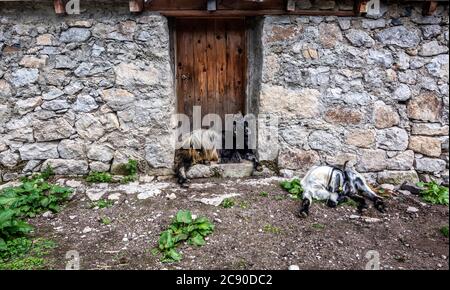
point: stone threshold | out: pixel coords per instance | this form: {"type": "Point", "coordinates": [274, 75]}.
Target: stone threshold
{"type": "Point", "coordinates": [225, 170]}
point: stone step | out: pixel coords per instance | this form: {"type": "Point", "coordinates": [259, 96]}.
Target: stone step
{"type": "Point", "coordinates": [226, 170]}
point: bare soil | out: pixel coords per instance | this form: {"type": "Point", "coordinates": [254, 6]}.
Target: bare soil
{"type": "Point", "coordinates": [256, 233]}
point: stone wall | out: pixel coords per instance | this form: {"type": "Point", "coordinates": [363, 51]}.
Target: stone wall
{"type": "Point", "coordinates": [373, 90]}
{"type": "Point", "coordinates": [88, 92]}
{"type": "Point", "coordinates": [84, 92]}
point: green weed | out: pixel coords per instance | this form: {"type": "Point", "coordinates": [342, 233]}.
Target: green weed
{"type": "Point", "coordinates": [293, 187]}
{"type": "Point", "coordinates": [182, 229]}
{"type": "Point", "coordinates": [99, 177]}
{"type": "Point", "coordinates": [227, 203]}
{"type": "Point", "coordinates": [433, 193]}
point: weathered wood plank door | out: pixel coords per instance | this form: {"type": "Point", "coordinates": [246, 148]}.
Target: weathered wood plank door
{"type": "Point", "coordinates": [211, 65]}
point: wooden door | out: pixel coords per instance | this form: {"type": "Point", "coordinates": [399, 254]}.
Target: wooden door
{"type": "Point", "coordinates": [211, 65]}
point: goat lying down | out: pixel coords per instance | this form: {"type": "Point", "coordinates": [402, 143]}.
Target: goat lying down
{"type": "Point", "coordinates": [197, 147]}
{"type": "Point", "coordinates": [336, 185]}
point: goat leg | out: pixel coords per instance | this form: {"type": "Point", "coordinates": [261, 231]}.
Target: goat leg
{"type": "Point", "coordinates": [304, 208]}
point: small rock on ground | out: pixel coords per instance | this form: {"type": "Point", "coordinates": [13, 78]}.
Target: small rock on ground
{"type": "Point", "coordinates": [412, 209]}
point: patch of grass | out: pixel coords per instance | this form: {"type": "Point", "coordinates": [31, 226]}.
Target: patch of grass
{"type": "Point", "coordinates": [27, 263]}
{"type": "Point", "coordinates": [228, 203]}
{"type": "Point", "coordinates": [105, 220]}
{"type": "Point", "coordinates": [318, 226]}
{"type": "Point", "coordinates": [241, 264]}
{"type": "Point", "coordinates": [25, 254]}
{"type": "Point", "coordinates": [99, 177]}
{"type": "Point", "coordinates": [350, 202]}
{"type": "Point", "coordinates": [279, 197]}
{"type": "Point", "coordinates": [102, 203]}
{"type": "Point", "coordinates": [131, 169]}
{"type": "Point", "coordinates": [268, 228]}
{"type": "Point", "coordinates": [182, 229]}
{"type": "Point", "coordinates": [263, 194]}
{"type": "Point", "coordinates": [400, 259]}
{"type": "Point", "coordinates": [128, 179]}
{"type": "Point", "coordinates": [244, 204]}
{"type": "Point", "coordinates": [33, 196]}
{"type": "Point", "coordinates": [216, 173]}
{"type": "Point", "coordinates": [444, 231]}
{"type": "Point", "coordinates": [433, 192]}
{"type": "Point", "coordinates": [293, 187]}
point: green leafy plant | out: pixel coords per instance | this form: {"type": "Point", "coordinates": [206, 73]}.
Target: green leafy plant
{"type": "Point", "coordinates": [11, 226]}
{"type": "Point", "coordinates": [444, 231]}
{"type": "Point", "coordinates": [182, 229]}
{"type": "Point", "coordinates": [433, 193]}
{"type": "Point", "coordinates": [227, 203]}
{"type": "Point", "coordinates": [294, 187]}
{"type": "Point", "coordinates": [102, 177]}
{"type": "Point", "coordinates": [15, 248]}
{"type": "Point", "coordinates": [32, 197]}
{"type": "Point", "coordinates": [102, 203]}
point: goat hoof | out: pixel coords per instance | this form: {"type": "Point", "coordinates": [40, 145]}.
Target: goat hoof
{"type": "Point", "coordinates": [302, 214]}
{"type": "Point", "coordinates": [362, 208]}
{"type": "Point", "coordinates": [380, 206]}
{"type": "Point", "coordinates": [342, 199]}
{"type": "Point", "coordinates": [331, 203]}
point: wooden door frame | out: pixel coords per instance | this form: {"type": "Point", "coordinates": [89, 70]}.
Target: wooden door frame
{"type": "Point", "coordinates": [174, 54]}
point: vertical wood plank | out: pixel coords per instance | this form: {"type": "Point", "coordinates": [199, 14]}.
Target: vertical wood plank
{"type": "Point", "coordinates": [60, 7]}
{"type": "Point", "coordinates": [230, 75]}
{"type": "Point", "coordinates": [221, 69]}
{"type": "Point", "coordinates": [242, 61]}
{"type": "Point", "coordinates": [185, 66]}
{"type": "Point", "coordinates": [136, 6]}
{"type": "Point", "coordinates": [211, 66]}
{"type": "Point", "coordinates": [235, 66]}
{"type": "Point", "coordinates": [200, 70]}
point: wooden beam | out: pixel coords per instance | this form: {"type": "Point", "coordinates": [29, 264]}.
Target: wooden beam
{"type": "Point", "coordinates": [212, 5]}
{"type": "Point", "coordinates": [60, 7]}
{"type": "Point", "coordinates": [290, 5]}
{"type": "Point", "coordinates": [429, 7]}
{"type": "Point", "coordinates": [136, 6]}
{"type": "Point", "coordinates": [241, 13]}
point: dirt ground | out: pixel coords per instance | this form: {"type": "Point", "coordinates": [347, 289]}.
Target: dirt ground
{"type": "Point", "coordinates": [258, 232]}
